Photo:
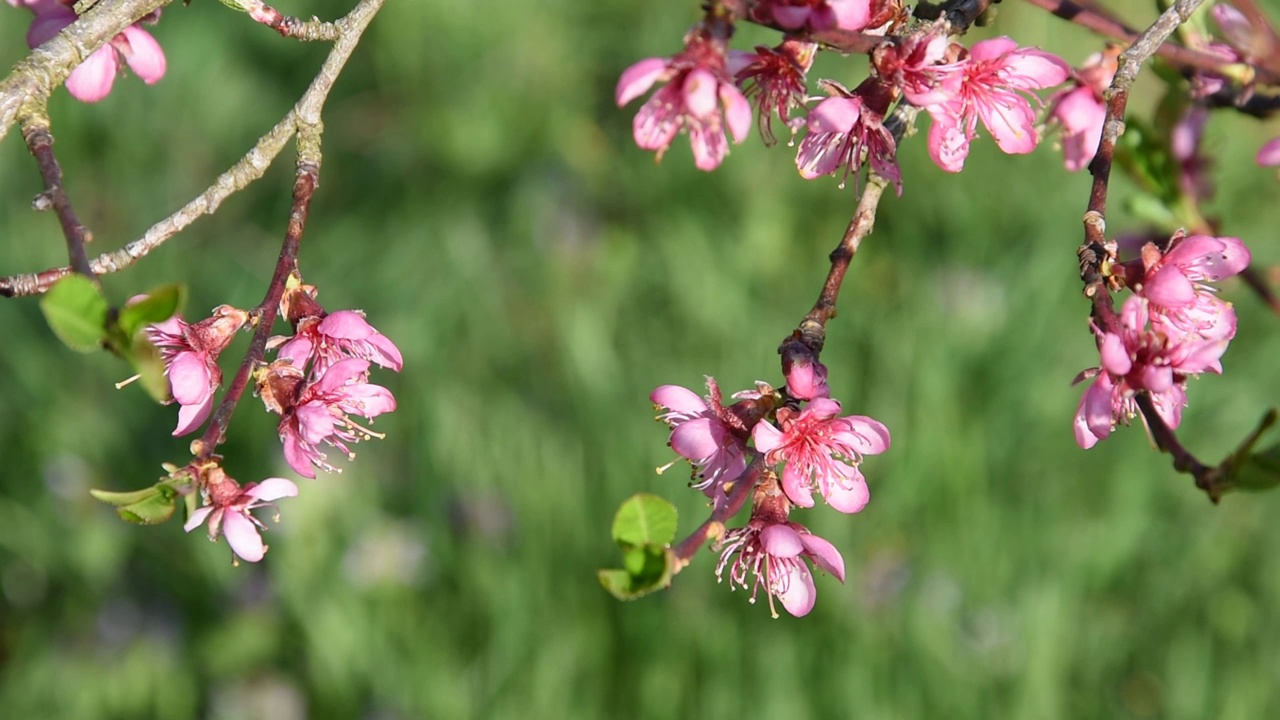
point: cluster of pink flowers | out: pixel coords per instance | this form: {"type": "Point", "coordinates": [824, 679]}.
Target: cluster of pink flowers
{"type": "Point", "coordinates": [991, 83]}
{"type": "Point", "coordinates": [816, 448]}
{"type": "Point", "coordinates": [1174, 327]}
{"type": "Point", "coordinates": [93, 79]}
{"type": "Point", "coordinates": [317, 383]}
{"type": "Point", "coordinates": [227, 509]}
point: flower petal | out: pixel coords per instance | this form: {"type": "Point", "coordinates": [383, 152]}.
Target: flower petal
{"type": "Point", "coordinates": [243, 537]}
{"type": "Point", "coordinates": [800, 595]}
{"type": "Point", "coordinates": [781, 541]}
{"type": "Point", "coordinates": [637, 79]}
{"type": "Point", "coordinates": [824, 554]}
{"type": "Point", "coordinates": [272, 489]}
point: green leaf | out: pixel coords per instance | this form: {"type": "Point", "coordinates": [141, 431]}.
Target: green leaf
{"type": "Point", "coordinates": [145, 360]}
{"type": "Point", "coordinates": [76, 312]}
{"type": "Point", "coordinates": [1260, 471]}
{"type": "Point", "coordinates": [146, 507]}
{"type": "Point", "coordinates": [648, 568]}
{"type": "Point", "coordinates": [645, 519]}
{"type": "Point", "coordinates": [159, 305]}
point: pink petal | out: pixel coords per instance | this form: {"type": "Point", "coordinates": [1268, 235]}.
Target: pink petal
{"type": "Point", "coordinates": [1269, 154]}
{"type": "Point", "coordinates": [678, 399]}
{"type": "Point", "coordinates": [190, 378]}
{"type": "Point", "coordinates": [298, 457]}
{"type": "Point", "coordinates": [315, 422]}
{"type": "Point", "coordinates": [848, 495]}
{"type": "Point", "coordinates": [737, 112]}
{"type": "Point", "coordinates": [272, 489]}
{"type": "Point", "coordinates": [144, 54]}
{"type": "Point", "coordinates": [796, 482]}
{"type": "Point", "coordinates": [824, 408]}
{"type": "Point", "coordinates": [851, 15]}
{"type": "Point", "coordinates": [824, 555]}
{"type": "Point", "coordinates": [1169, 287]}
{"type": "Point", "coordinates": [821, 154]}
{"type": "Point", "coordinates": [1115, 357]}
{"type": "Point", "coordinates": [92, 80]}
{"type": "Point", "coordinates": [242, 535]}
{"type": "Point", "coordinates": [709, 146]}
{"type": "Point", "coordinates": [866, 435]}
{"type": "Point", "coordinates": [700, 93]}
{"type": "Point", "coordinates": [197, 518]}
{"type": "Point", "coordinates": [47, 24]}
{"type": "Point", "coordinates": [658, 120]}
{"type": "Point", "coordinates": [767, 437]}
{"type": "Point", "coordinates": [191, 417]}
{"type": "Point", "coordinates": [387, 355]}
{"type": "Point", "coordinates": [1157, 378]}
{"type": "Point", "coordinates": [297, 351]}
{"type": "Point", "coordinates": [1028, 69]}
{"type": "Point", "coordinates": [340, 373]}
{"type": "Point", "coordinates": [781, 541]}
{"type": "Point", "coordinates": [992, 49]}
{"type": "Point", "coordinates": [800, 595]}
{"type": "Point", "coordinates": [835, 115]}
{"type": "Point", "coordinates": [346, 325]}
{"type": "Point", "coordinates": [637, 79]}
{"type": "Point", "coordinates": [697, 439]}
{"type": "Point", "coordinates": [791, 17]}
{"type": "Point", "coordinates": [1096, 410]}
{"type": "Point", "coordinates": [948, 144]}
{"type": "Point", "coordinates": [1213, 258]}
{"type": "Point", "coordinates": [1011, 122]}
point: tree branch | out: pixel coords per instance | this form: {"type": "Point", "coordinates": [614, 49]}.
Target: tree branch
{"type": "Point", "coordinates": [239, 176]}
{"type": "Point", "coordinates": [35, 130]}
{"type": "Point", "coordinates": [31, 81]}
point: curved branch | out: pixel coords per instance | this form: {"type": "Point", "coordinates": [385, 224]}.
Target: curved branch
{"type": "Point", "coordinates": [239, 176]}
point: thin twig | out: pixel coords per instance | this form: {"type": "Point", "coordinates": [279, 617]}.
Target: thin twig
{"type": "Point", "coordinates": [1177, 54]}
{"type": "Point", "coordinates": [304, 188]}
{"type": "Point", "coordinates": [1092, 252]}
{"type": "Point", "coordinates": [33, 80]}
{"type": "Point", "coordinates": [239, 176]}
{"type": "Point", "coordinates": [812, 331]}
{"type": "Point", "coordinates": [1207, 478]}
{"type": "Point", "coordinates": [713, 527]}
{"type": "Point", "coordinates": [35, 130]}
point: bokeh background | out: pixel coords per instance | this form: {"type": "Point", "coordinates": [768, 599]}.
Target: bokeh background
{"type": "Point", "coordinates": [482, 200]}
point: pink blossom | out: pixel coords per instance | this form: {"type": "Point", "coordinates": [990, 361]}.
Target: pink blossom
{"type": "Point", "coordinates": [91, 81]}
{"type": "Point", "coordinates": [814, 15]}
{"type": "Point", "coordinates": [1081, 111]}
{"type": "Point", "coordinates": [922, 66]}
{"type": "Point", "coordinates": [1135, 359]}
{"type": "Point", "coordinates": [1269, 155]}
{"type": "Point", "coordinates": [701, 436]}
{"type": "Point", "coordinates": [227, 510]}
{"type": "Point", "coordinates": [697, 87]}
{"type": "Point", "coordinates": [190, 355]}
{"type": "Point", "coordinates": [334, 337]}
{"type": "Point", "coordinates": [774, 78]}
{"type": "Point", "coordinates": [320, 414]}
{"type": "Point", "coordinates": [995, 72]}
{"type": "Point", "coordinates": [822, 450]}
{"type": "Point", "coordinates": [806, 378]}
{"type": "Point", "coordinates": [1182, 305]}
{"type": "Point", "coordinates": [844, 132]}
{"type": "Point", "coordinates": [772, 555]}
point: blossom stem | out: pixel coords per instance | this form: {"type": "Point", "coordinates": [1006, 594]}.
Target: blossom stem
{"type": "Point", "coordinates": [713, 527]}
{"type": "Point", "coordinates": [1103, 24]}
{"type": "Point", "coordinates": [244, 172]}
{"type": "Point", "coordinates": [304, 188]}
{"type": "Point", "coordinates": [1094, 250]}
{"type": "Point", "coordinates": [35, 130]}
{"type": "Point", "coordinates": [1208, 479]}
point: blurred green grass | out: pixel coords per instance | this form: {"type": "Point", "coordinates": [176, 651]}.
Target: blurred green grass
{"type": "Point", "coordinates": [482, 201]}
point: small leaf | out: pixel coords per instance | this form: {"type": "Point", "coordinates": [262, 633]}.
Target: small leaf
{"type": "Point", "coordinates": [145, 360]}
{"type": "Point", "coordinates": [76, 312]}
{"type": "Point", "coordinates": [645, 519]}
{"type": "Point", "coordinates": [649, 568]}
{"type": "Point", "coordinates": [123, 498]}
{"type": "Point", "coordinates": [145, 507]}
{"type": "Point", "coordinates": [1260, 471]}
{"type": "Point", "coordinates": [159, 305]}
